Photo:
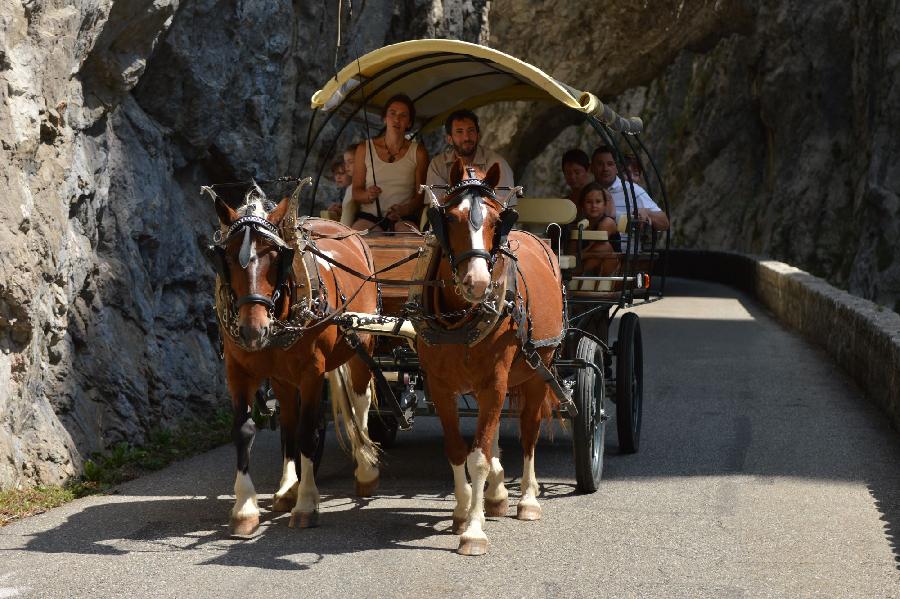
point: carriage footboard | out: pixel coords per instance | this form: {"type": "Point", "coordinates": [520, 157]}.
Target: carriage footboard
{"type": "Point", "coordinates": [391, 326]}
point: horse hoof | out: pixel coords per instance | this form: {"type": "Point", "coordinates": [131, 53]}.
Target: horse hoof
{"type": "Point", "coordinates": [304, 519]}
{"type": "Point", "coordinates": [284, 503]}
{"type": "Point", "coordinates": [243, 527]}
{"type": "Point", "coordinates": [472, 546]}
{"type": "Point", "coordinates": [496, 507]}
{"type": "Point", "coordinates": [528, 512]}
{"type": "Point", "coordinates": [366, 489]}
{"type": "Point", "coordinates": [459, 525]}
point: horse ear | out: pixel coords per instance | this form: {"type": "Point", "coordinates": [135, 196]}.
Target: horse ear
{"type": "Point", "coordinates": [279, 212]}
{"type": "Point", "coordinates": [456, 172]}
{"type": "Point", "coordinates": [493, 176]}
{"type": "Point", "coordinates": [225, 213]}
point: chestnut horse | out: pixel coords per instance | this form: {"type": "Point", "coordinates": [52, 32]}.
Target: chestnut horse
{"type": "Point", "coordinates": [274, 310]}
{"type": "Point", "coordinates": [514, 286]}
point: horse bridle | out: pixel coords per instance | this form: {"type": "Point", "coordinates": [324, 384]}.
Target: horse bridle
{"type": "Point", "coordinates": [475, 190]}
{"type": "Point", "coordinates": [250, 225]}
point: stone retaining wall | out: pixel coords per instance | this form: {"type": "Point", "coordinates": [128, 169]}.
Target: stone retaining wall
{"type": "Point", "coordinates": [861, 336]}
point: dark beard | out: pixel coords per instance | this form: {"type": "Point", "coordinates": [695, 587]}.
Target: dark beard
{"type": "Point", "coordinates": [459, 151]}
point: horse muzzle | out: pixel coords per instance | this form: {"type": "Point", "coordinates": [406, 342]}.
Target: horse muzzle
{"type": "Point", "coordinates": [255, 325]}
{"type": "Point", "coordinates": [254, 336]}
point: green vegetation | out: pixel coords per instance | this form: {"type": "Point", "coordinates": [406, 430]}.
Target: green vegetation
{"type": "Point", "coordinates": [120, 463]}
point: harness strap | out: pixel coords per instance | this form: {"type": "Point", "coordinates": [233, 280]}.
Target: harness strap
{"type": "Point", "coordinates": [374, 275]}
{"type": "Point", "coordinates": [384, 389]}
{"type": "Point", "coordinates": [564, 396]}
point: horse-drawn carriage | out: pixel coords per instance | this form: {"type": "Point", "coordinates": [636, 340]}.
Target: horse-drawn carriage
{"type": "Point", "coordinates": [550, 325]}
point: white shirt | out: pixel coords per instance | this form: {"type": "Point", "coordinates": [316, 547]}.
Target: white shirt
{"type": "Point", "coordinates": [397, 179]}
{"type": "Point", "coordinates": [643, 198]}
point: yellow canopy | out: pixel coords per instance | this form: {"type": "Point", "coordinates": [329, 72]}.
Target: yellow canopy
{"type": "Point", "coordinates": [445, 75]}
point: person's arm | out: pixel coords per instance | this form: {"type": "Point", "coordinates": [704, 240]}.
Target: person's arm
{"type": "Point", "coordinates": [647, 209]}
{"type": "Point", "coordinates": [362, 195]}
{"type": "Point", "coordinates": [658, 220]}
{"type": "Point", "coordinates": [418, 198]}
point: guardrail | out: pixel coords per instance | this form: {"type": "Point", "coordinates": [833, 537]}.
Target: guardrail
{"type": "Point", "coordinates": [861, 336]}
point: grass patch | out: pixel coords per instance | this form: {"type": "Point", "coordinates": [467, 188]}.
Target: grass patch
{"type": "Point", "coordinates": [120, 463]}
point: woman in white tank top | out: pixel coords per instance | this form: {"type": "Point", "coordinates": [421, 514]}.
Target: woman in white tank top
{"type": "Point", "coordinates": [399, 169]}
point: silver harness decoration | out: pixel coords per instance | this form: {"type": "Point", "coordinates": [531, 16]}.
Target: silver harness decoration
{"type": "Point", "coordinates": [299, 281]}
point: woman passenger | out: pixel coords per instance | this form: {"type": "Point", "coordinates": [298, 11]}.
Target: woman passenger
{"type": "Point", "coordinates": [400, 167]}
{"type": "Point", "coordinates": [595, 204]}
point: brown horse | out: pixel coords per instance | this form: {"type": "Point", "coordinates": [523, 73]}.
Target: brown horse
{"type": "Point", "coordinates": [500, 313]}
{"type": "Point", "coordinates": [274, 300]}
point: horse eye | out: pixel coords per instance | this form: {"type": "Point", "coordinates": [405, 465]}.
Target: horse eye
{"type": "Point", "coordinates": [451, 218]}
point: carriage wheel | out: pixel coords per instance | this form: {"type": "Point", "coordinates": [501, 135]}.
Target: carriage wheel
{"type": "Point", "coordinates": [590, 423]}
{"type": "Point", "coordinates": [629, 383]}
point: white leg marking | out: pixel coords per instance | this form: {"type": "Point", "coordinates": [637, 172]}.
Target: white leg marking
{"type": "Point", "coordinates": [496, 490]}
{"type": "Point", "coordinates": [288, 478]}
{"type": "Point", "coordinates": [365, 471]}
{"type": "Point", "coordinates": [529, 484]}
{"type": "Point", "coordinates": [478, 467]}
{"type": "Point", "coordinates": [245, 505]}
{"type": "Point", "coordinates": [352, 410]}
{"type": "Point", "coordinates": [463, 491]}
{"type": "Point", "coordinates": [307, 493]}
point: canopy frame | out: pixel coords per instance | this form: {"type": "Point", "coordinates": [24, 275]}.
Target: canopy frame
{"type": "Point", "coordinates": [527, 83]}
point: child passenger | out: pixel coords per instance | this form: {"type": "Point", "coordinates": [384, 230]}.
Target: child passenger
{"type": "Point", "coordinates": [595, 204]}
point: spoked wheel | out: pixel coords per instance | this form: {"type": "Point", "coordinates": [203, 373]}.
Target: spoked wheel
{"type": "Point", "coordinates": [590, 423]}
{"type": "Point", "coordinates": [629, 383]}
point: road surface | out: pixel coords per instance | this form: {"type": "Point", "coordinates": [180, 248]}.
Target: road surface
{"type": "Point", "coordinates": [763, 471]}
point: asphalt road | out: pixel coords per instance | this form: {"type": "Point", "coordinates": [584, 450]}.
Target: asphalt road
{"type": "Point", "coordinates": [763, 472]}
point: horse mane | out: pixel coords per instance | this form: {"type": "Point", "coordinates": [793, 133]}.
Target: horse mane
{"type": "Point", "coordinates": [255, 200]}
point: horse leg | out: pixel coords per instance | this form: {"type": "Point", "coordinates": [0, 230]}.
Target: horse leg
{"type": "Point", "coordinates": [534, 393]}
{"type": "Point", "coordinates": [490, 401]}
{"type": "Point", "coordinates": [306, 511]}
{"type": "Point", "coordinates": [496, 498]}
{"type": "Point", "coordinates": [245, 513]}
{"type": "Point", "coordinates": [358, 382]}
{"type": "Point", "coordinates": [455, 449]}
{"type": "Point", "coordinates": [289, 405]}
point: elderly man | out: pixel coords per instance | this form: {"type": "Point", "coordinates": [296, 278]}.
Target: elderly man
{"type": "Point", "coordinates": [463, 133]}
{"type": "Point", "coordinates": [603, 166]}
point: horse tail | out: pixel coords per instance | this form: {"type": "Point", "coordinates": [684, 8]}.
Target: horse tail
{"type": "Point", "coordinates": [548, 410]}
{"type": "Point", "coordinates": [350, 409]}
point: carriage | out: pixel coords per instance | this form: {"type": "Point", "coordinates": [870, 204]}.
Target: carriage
{"type": "Point", "coordinates": [442, 76]}
{"type": "Point", "coordinates": [472, 305]}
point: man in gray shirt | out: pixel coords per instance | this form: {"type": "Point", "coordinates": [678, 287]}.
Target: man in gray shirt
{"type": "Point", "coordinates": [462, 142]}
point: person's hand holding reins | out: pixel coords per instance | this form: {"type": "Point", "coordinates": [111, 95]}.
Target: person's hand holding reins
{"type": "Point", "coordinates": [372, 193]}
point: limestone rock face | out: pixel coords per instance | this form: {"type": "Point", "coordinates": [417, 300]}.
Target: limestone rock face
{"type": "Point", "coordinates": [774, 122]}
{"type": "Point", "coordinates": [113, 114]}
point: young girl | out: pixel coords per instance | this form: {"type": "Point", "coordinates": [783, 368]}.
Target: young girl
{"type": "Point", "coordinates": [595, 204]}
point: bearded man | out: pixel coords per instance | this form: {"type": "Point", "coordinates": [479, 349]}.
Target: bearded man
{"type": "Point", "coordinates": [463, 133]}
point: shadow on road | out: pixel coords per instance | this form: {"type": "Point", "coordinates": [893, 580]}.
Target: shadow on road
{"type": "Point", "coordinates": [724, 398]}
{"type": "Point", "coordinates": [148, 515]}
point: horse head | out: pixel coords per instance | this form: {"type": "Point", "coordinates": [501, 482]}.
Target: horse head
{"type": "Point", "coordinates": [254, 261]}
{"type": "Point", "coordinates": [471, 225]}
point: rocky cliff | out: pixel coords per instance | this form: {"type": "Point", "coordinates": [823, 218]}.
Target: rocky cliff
{"type": "Point", "coordinates": [113, 113]}
{"type": "Point", "coordinates": [773, 122]}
